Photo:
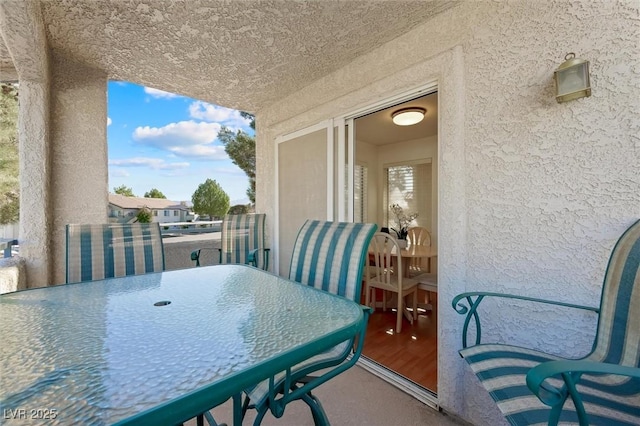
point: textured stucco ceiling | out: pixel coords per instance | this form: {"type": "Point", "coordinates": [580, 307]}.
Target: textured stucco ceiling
{"type": "Point", "coordinates": [240, 54]}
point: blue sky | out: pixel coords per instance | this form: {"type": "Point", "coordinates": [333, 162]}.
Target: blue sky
{"type": "Point", "coordinates": [169, 142]}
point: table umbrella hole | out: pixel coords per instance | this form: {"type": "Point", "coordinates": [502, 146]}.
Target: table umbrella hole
{"type": "Point", "coordinates": [162, 303]}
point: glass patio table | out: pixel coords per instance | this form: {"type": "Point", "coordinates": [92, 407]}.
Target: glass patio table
{"type": "Point", "coordinates": [158, 348]}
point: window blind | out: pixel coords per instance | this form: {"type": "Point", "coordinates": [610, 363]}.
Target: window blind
{"type": "Point", "coordinates": [360, 193]}
{"type": "Point", "coordinates": [409, 186]}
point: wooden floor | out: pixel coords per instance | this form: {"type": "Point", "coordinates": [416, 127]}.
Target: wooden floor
{"type": "Point", "coordinates": [412, 353]}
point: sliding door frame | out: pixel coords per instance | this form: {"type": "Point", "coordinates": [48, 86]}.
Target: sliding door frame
{"type": "Point", "coordinates": [327, 125]}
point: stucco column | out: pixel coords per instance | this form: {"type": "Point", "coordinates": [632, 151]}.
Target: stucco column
{"type": "Point", "coordinates": [79, 174]}
{"type": "Point", "coordinates": [33, 130]}
{"type": "Point", "coordinates": [22, 29]}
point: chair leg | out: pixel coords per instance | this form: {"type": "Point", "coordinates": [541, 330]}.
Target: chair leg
{"type": "Point", "coordinates": [319, 415]}
{"type": "Point", "coordinates": [211, 421]}
{"type": "Point", "coordinates": [399, 314]}
{"type": "Point", "coordinates": [415, 304]}
{"type": "Point", "coordinates": [384, 301]}
{"type": "Point", "coordinates": [245, 406]}
{"type": "Point", "coordinates": [238, 408]}
{"type": "Point", "coordinates": [262, 410]}
{"type": "Point", "coordinates": [367, 300]}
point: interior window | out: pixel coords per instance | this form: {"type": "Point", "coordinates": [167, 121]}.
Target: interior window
{"type": "Point", "coordinates": [409, 186]}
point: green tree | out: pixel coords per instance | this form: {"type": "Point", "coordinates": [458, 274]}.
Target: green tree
{"type": "Point", "coordinates": [239, 209]}
{"type": "Point", "coordinates": [144, 215]}
{"type": "Point", "coordinates": [9, 159]}
{"type": "Point", "coordinates": [154, 193]}
{"type": "Point", "coordinates": [241, 148]}
{"type": "Point", "coordinates": [210, 199]}
{"type": "Point", "coordinates": [124, 190]}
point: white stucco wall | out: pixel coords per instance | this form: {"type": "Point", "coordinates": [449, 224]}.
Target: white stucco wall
{"type": "Point", "coordinates": [532, 193]}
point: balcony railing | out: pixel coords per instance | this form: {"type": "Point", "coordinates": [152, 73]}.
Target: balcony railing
{"type": "Point", "coordinates": [179, 228]}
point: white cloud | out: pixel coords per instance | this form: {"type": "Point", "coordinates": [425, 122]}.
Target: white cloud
{"type": "Point", "coordinates": [119, 173]}
{"type": "Point", "coordinates": [212, 152]}
{"type": "Point", "coordinates": [152, 163]}
{"type": "Point", "coordinates": [185, 139]}
{"type": "Point", "coordinates": [108, 121]}
{"type": "Point", "coordinates": [181, 133]}
{"type": "Point", "coordinates": [156, 93]}
{"type": "Point", "coordinates": [209, 112]}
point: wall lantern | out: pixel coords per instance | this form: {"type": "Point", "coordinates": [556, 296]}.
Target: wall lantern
{"type": "Point", "coordinates": [408, 116]}
{"type": "Point", "coordinates": [572, 79]}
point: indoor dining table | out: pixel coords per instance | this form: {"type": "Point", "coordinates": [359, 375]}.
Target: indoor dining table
{"type": "Point", "coordinates": [158, 348]}
{"type": "Point", "coordinates": [415, 251]}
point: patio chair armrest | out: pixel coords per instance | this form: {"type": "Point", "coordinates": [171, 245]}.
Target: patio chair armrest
{"type": "Point", "coordinates": [471, 311]}
{"type": "Point", "coordinates": [5, 246]}
{"type": "Point", "coordinates": [252, 258]}
{"type": "Point", "coordinates": [570, 371]}
{"type": "Point", "coordinates": [195, 255]}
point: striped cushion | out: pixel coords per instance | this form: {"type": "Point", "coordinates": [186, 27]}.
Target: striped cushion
{"type": "Point", "coordinates": [502, 369]}
{"type": "Point", "coordinates": [608, 399]}
{"type": "Point", "coordinates": [328, 256]}
{"type": "Point", "coordinates": [241, 234]}
{"type": "Point", "coordinates": [95, 252]}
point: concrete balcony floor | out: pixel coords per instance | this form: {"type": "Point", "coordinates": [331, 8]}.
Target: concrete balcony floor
{"type": "Point", "coordinates": [353, 398]}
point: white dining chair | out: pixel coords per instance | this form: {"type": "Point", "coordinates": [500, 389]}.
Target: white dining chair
{"type": "Point", "coordinates": [418, 236]}
{"type": "Point", "coordinates": [384, 272]}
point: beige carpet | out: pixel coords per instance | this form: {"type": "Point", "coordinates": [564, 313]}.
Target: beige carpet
{"type": "Point", "coordinates": [356, 398]}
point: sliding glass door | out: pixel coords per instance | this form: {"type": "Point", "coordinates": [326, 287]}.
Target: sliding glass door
{"type": "Point", "coordinates": [314, 181]}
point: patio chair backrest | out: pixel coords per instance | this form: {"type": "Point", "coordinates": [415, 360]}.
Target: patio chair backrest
{"type": "Point", "coordinates": [618, 338]}
{"type": "Point", "coordinates": [241, 234]}
{"type": "Point", "coordinates": [102, 251]}
{"type": "Point", "coordinates": [330, 256]}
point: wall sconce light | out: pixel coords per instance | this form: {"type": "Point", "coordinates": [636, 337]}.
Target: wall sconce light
{"type": "Point", "coordinates": [572, 79]}
{"type": "Point", "coordinates": [408, 116]}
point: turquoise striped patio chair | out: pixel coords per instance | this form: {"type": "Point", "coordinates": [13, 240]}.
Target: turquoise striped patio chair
{"type": "Point", "coordinates": [242, 241]}
{"type": "Point", "coordinates": [603, 388]}
{"type": "Point", "coordinates": [328, 256]}
{"type": "Point", "coordinates": [95, 252]}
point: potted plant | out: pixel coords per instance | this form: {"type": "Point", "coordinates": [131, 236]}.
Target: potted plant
{"type": "Point", "coordinates": [402, 223]}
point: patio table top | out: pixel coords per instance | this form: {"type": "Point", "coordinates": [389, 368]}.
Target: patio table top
{"type": "Point", "coordinates": [158, 348]}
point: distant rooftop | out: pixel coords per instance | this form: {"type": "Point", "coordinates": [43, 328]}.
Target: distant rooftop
{"type": "Point", "coordinates": [125, 202]}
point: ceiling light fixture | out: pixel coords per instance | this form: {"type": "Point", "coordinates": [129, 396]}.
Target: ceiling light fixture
{"type": "Point", "coordinates": [408, 116]}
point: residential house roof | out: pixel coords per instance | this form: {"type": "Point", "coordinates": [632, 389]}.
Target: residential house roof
{"type": "Point", "coordinates": [125, 202]}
